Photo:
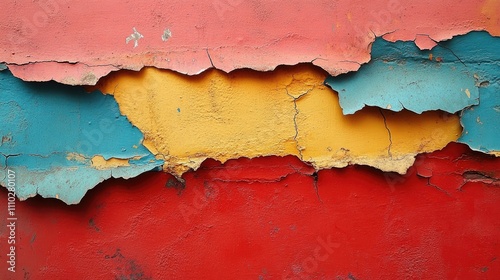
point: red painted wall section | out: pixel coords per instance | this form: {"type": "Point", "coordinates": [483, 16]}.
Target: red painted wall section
{"type": "Point", "coordinates": [273, 218]}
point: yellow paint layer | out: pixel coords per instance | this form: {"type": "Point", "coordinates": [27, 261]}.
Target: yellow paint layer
{"type": "Point", "coordinates": [100, 163]}
{"type": "Point", "coordinates": [186, 119]}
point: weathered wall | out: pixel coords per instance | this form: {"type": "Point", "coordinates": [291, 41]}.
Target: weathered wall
{"type": "Point", "coordinates": [263, 219]}
{"type": "Point", "coordinates": [334, 140]}
{"type": "Point", "coordinates": [64, 40]}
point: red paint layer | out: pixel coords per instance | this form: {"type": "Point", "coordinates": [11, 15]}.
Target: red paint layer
{"type": "Point", "coordinates": [335, 35]}
{"type": "Point", "coordinates": [262, 219]}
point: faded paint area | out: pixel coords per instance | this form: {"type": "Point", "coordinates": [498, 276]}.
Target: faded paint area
{"type": "Point", "coordinates": [52, 134]}
{"type": "Point", "coordinates": [264, 218]}
{"type": "Point", "coordinates": [2, 67]}
{"type": "Point", "coordinates": [400, 75]}
{"type": "Point", "coordinates": [192, 36]}
{"type": "Point", "coordinates": [289, 111]}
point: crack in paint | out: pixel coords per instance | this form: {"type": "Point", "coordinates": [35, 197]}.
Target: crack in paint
{"type": "Point", "coordinates": [478, 176]}
{"type": "Point", "coordinates": [6, 163]}
{"type": "Point", "coordinates": [436, 186]}
{"type": "Point", "coordinates": [262, 181]}
{"type": "Point", "coordinates": [295, 99]}
{"type": "Point", "coordinates": [210, 58]}
{"type": "Point", "coordinates": [274, 45]}
{"type": "Point", "coordinates": [273, 134]}
{"type": "Point", "coordinates": [315, 177]}
{"type": "Point", "coordinates": [452, 52]}
{"type": "Point", "coordinates": [389, 132]}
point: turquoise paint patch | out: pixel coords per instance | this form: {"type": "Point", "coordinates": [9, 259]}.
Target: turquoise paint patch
{"type": "Point", "coordinates": [50, 132]}
{"type": "Point", "coordinates": [2, 67]}
{"type": "Point", "coordinates": [482, 123]}
{"type": "Point", "coordinates": [481, 52]}
{"type": "Point", "coordinates": [401, 76]}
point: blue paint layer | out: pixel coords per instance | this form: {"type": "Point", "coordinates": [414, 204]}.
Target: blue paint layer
{"type": "Point", "coordinates": [402, 76]}
{"type": "Point", "coordinates": [481, 52]}
{"type": "Point", "coordinates": [50, 132]}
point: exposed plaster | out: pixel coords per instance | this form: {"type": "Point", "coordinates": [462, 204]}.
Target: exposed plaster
{"type": "Point", "coordinates": [167, 34]}
{"type": "Point", "coordinates": [135, 36]}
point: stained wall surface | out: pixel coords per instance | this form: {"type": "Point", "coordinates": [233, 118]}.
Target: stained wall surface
{"type": "Point", "coordinates": [249, 139]}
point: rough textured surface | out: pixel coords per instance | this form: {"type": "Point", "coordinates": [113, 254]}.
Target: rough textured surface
{"type": "Point", "coordinates": [191, 36]}
{"type": "Point", "coordinates": [264, 219]}
{"type": "Point", "coordinates": [402, 76]}
{"type": "Point", "coordinates": [480, 52]}
{"type": "Point", "coordinates": [51, 134]}
{"type": "Point", "coordinates": [289, 111]}
{"type": "Point", "coordinates": [481, 123]}
{"type": "Point", "coordinates": [457, 74]}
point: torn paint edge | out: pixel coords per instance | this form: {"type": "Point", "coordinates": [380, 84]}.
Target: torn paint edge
{"type": "Point", "coordinates": [348, 66]}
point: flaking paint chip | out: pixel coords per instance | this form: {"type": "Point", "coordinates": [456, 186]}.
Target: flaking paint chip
{"type": "Point", "coordinates": [135, 36]}
{"type": "Point", "coordinates": [166, 35]}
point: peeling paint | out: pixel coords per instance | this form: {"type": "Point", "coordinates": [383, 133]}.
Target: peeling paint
{"type": "Point", "coordinates": [74, 73]}
{"type": "Point", "coordinates": [285, 112]}
{"type": "Point", "coordinates": [166, 35]}
{"type": "Point", "coordinates": [481, 123]}
{"type": "Point", "coordinates": [261, 218]}
{"type": "Point", "coordinates": [337, 36]}
{"type": "Point", "coordinates": [135, 36]}
{"type": "Point", "coordinates": [480, 54]}
{"type": "Point", "coordinates": [52, 135]}
{"type": "Point", "coordinates": [402, 76]}
{"type": "Point", "coordinates": [100, 163]}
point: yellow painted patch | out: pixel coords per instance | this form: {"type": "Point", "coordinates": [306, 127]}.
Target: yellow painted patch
{"type": "Point", "coordinates": [186, 119]}
{"type": "Point", "coordinates": [100, 163]}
